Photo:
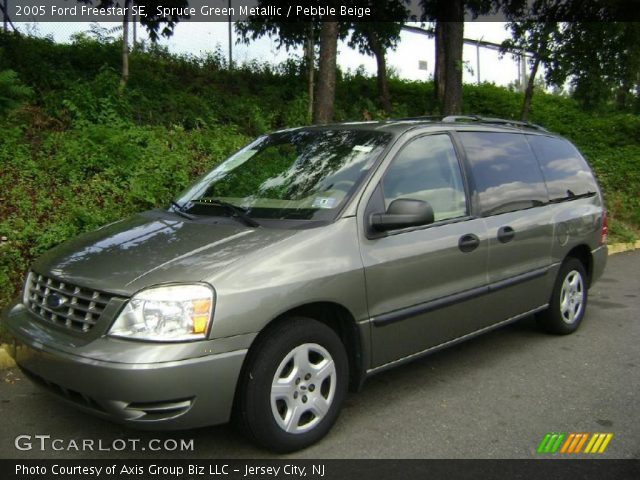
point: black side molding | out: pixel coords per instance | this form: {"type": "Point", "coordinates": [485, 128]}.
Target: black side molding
{"type": "Point", "coordinates": [425, 307]}
{"type": "Point", "coordinates": [524, 277]}
{"type": "Point", "coordinates": [421, 308]}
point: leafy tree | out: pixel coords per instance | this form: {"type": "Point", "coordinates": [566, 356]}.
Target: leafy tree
{"type": "Point", "coordinates": [370, 38]}
{"type": "Point", "coordinates": [376, 38]}
{"type": "Point", "coordinates": [538, 37]}
{"type": "Point", "coordinates": [291, 34]}
{"type": "Point", "coordinates": [287, 35]}
{"type": "Point", "coordinates": [600, 59]}
{"type": "Point", "coordinates": [629, 65]}
{"type": "Point", "coordinates": [155, 23]}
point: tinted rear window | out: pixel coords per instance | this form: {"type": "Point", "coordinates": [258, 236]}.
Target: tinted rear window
{"type": "Point", "coordinates": [565, 171]}
{"type": "Point", "coordinates": [505, 171]}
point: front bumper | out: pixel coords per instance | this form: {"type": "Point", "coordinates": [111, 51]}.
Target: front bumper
{"type": "Point", "coordinates": [144, 385]}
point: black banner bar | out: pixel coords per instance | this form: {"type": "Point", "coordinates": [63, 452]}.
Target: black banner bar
{"type": "Point", "coordinates": [309, 10]}
{"type": "Point", "coordinates": [319, 469]}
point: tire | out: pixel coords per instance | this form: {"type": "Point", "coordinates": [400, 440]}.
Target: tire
{"type": "Point", "coordinates": [568, 301]}
{"type": "Point", "coordinates": [294, 385]}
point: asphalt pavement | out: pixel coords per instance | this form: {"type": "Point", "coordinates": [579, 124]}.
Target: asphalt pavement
{"type": "Point", "coordinates": [495, 396]}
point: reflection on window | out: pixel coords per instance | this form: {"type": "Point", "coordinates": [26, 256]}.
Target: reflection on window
{"type": "Point", "coordinates": [427, 169]}
{"type": "Point", "coordinates": [300, 174]}
{"type": "Point", "coordinates": [506, 174]}
{"type": "Point", "coordinates": [565, 171]}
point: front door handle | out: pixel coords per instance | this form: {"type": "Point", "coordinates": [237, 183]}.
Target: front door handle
{"type": "Point", "coordinates": [468, 242]}
{"type": "Point", "coordinates": [506, 234]}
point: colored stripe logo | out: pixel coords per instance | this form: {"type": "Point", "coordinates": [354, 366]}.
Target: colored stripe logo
{"type": "Point", "coordinates": [573, 443]}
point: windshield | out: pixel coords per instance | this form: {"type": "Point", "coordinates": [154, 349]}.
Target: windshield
{"type": "Point", "coordinates": [301, 174]}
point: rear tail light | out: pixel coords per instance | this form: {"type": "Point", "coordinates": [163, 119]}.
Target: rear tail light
{"type": "Point", "coordinates": [604, 230]}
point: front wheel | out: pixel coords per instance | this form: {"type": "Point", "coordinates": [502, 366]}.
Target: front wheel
{"type": "Point", "coordinates": [568, 301]}
{"type": "Point", "coordinates": [294, 386]}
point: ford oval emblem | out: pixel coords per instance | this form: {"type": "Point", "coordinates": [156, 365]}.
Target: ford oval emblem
{"type": "Point", "coordinates": [55, 301]}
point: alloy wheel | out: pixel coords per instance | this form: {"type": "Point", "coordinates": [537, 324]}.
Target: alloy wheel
{"type": "Point", "coordinates": [303, 388]}
{"type": "Point", "coordinates": [572, 297]}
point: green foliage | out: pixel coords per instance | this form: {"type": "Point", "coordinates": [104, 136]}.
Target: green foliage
{"type": "Point", "coordinates": [601, 60]}
{"type": "Point", "coordinates": [58, 184]}
{"type": "Point", "coordinates": [75, 153]}
{"type": "Point", "coordinates": [12, 91]}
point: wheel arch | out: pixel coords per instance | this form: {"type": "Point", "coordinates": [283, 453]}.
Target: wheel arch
{"type": "Point", "coordinates": [340, 320]}
{"type": "Point", "coordinates": [583, 254]}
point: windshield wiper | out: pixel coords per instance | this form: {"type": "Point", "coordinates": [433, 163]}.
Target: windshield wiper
{"type": "Point", "coordinates": [179, 210]}
{"type": "Point", "coordinates": [238, 212]}
{"type": "Point", "coordinates": [572, 196]}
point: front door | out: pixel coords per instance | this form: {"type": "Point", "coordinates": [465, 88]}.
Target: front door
{"type": "Point", "coordinates": [425, 285]}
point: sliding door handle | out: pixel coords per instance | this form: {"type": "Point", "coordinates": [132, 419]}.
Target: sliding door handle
{"type": "Point", "coordinates": [506, 234]}
{"type": "Point", "coordinates": [468, 242]}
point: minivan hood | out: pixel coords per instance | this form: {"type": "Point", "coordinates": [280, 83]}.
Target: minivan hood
{"type": "Point", "coordinates": [150, 248]}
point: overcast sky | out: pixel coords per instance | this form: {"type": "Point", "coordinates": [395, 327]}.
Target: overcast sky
{"type": "Point", "coordinates": [199, 38]}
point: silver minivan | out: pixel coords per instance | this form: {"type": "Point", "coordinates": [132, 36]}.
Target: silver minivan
{"type": "Point", "coordinates": [306, 262]}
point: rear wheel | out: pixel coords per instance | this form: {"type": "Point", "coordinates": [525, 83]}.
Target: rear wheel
{"type": "Point", "coordinates": [568, 300]}
{"type": "Point", "coordinates": [294, 385]}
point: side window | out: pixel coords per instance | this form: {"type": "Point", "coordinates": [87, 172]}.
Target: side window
{"type": "Point", "coordinates": [427, 169]}
{"type": "Point", "coordinates": [565, 171]}
{"type": "Point", "coordinates": [506, 173]}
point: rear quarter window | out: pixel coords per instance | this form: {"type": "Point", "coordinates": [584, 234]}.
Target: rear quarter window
{"type": "Point", "coordinates": [506, 174]}
{"type": "Point", "coordinates": [565, 171]}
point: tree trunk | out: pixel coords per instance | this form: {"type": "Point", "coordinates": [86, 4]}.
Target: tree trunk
{"type": "Point", "coordinates": [438, 74]}
{"type": "Point", "coordinates": [622, 94]}
{"type": "Point", "coordinates": [310, 58]}
{"type": "Point", "coordinates": [541, 51]}
{"type": "Point", "coordinates": [453, 42]}
{"type": "Point", "coordinates": [528, 93]}
{"type": "Point", "coordinates": [449, 43]}
{"type": "Point", "coordinates": [125, 45]}
{"type": "Point", "coordinates": [5, 16]}
{"type": "Point", "coordinates": [383, 83]}
{"type": "Point", "coordinates": [326, 91]}
{"type": "Point", "coordinates": [134, 24]}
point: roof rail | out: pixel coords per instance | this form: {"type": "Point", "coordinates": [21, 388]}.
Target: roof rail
{"type": "Point", "coordinates": [431, 118]}
{"type": "Point", "coordinates": [495, 121]}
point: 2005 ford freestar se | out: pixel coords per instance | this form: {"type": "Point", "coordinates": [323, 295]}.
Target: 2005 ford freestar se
{"type": "Point", "coordinates": [306, 262]}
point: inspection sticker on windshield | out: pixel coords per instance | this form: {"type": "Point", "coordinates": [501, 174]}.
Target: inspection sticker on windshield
{"type": "Point", "coordinates": [363, 148]}
{"type": "Point", "coordinates": [323, 202]}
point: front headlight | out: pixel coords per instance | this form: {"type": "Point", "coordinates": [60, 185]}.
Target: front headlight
{"type": "Point", "coordinates": [26, 290]}
{"type": "Point", "coordinates": [166, 313]}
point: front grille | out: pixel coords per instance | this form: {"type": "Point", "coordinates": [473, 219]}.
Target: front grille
{"type": "Point", "coordinates": [63, 304]}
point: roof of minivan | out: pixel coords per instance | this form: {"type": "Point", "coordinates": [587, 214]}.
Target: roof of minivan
{"type": "Point", "coordinates": [402, 125]}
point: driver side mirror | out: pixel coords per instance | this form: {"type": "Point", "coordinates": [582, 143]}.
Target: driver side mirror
{"type": "Point", "coordinates": [403, 213]}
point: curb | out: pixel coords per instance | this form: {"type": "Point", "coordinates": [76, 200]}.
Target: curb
{"type": "Point", "coordinates": [623, 247]}
{"type": "Point", "coordinates": [5, 359]}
